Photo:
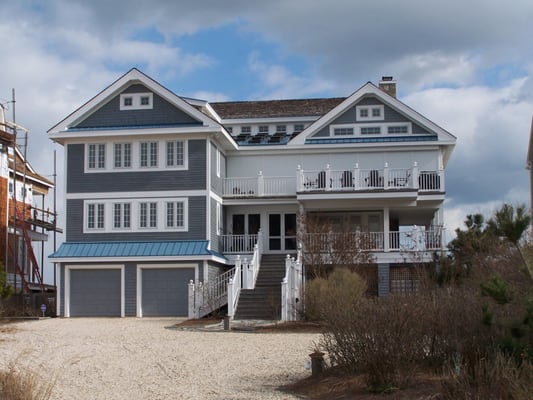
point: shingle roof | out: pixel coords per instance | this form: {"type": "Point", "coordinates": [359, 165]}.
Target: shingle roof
{"type": "Point", "coordinates": [275, 108]}
{"type": "Point", "coordinates": [134, 249]}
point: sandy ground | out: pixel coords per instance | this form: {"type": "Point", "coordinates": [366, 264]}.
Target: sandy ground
{"type": "Point", "coordinates": [134, 358]}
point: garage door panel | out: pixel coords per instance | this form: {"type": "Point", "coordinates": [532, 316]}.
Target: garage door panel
{"type": "Point", "coordinates": [165, 291]}
{"type": "Point", "coordinates": [95, 292]}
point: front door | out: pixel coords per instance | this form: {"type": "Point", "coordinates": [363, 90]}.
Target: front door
{"type": "Point", "coordinates": [282, 232]}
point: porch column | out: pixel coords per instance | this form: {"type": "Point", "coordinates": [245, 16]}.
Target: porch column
{"type": "Point", "coordinates": [415, 175]}
{"type": "Point", "coordinates": [260, 184]}
{"type": "Point", "coordinates": [386, 229]}
{"type": "Point", "coordinates": [356, 184]}
{"type": "Point", "coordinates": [386, 176]}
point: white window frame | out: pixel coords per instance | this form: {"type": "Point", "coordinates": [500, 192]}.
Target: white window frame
{"type": "Point", "coordinates": [151, 215]}
{"type": "Point", "coordinates": [246, 130]}
{"type": "Point", "coordinates": [136, 101]}
{"type": "Point", "coordinates": [373, 126]}
{"type": "Point", "coordinates": [263, 129]}
{"type": "Point", "coordinates": [405, 125]}
{"type": "Point", "coordinates": [122, 216]}
{"type": "Point", "coordinates": [96, 206]}
{"type": "Point", "coordinates": [334, 128]}
{"type": "Point", "coordinates": [369, 109]}
{"type": "Point", "coordinates": [184, 202]}
{"type": "Point", "coordinates": [150, 146]}
{"type": "Point", "coordinates": [123, 154]}
{"type": "Point", "coordinates": [99, 156]}
{"type": "Point", "coordinates": [281, 128]}
{"type": "Point", "coordinates": [184, 155]}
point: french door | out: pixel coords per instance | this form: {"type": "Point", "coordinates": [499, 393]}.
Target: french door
{"type": "Point", "coordinates": [281, 232]}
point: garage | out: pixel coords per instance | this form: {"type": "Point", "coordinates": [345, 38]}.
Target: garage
{"type": "Point", "coordinates": [95, 292]}
{"type": "Point", "coordinates": [165, 291]}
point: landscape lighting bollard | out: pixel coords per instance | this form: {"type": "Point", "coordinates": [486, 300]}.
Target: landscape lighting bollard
{"type": "Point", "coordinates": [317, 363]}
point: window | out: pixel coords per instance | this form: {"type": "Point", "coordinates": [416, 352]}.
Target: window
{"type": "Point", "coordinates": [370, 113]}
{"type": "Point", "coordinates": [371, 130]}
{"type": "Point", "coordinates": [175, 153]}
{"type": "Point", "coordinates": [281, 128]}
{"type": "Point", "coordinates": [136, 101]}
{"type": "Point", "coordinates": [121, 215]}
{"type": "Point", "coordinates": [229, 129]}
{"type": "Point", "coordinates": [342, 131]}
{"type": "Point", "coordinates": [263, 129]}
{"type": "Point", "coordinates": [148, 215]}
{"type": "Point", "coordinates": [398, 129]}
{"type": "Point", "coordinates": [95, 216]}
{"type": "Point", "coordinates": [298, 127]}
{"type": "Point", "coordinates": [122, 155]}
{"type": "Point", "coordinates": [96, 156]}
{"type": "Point", "coordinates": [246, 129]}
{"type": "Point", "coordinates": [148, 154]}
{"type": "Point", "coordinates": [176, 214]}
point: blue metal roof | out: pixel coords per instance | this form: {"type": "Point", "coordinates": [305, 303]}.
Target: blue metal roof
{"type": "Point", "coordinates": [134, 249]}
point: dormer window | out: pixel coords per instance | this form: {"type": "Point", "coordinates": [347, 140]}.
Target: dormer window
{"type": "Point", "coordinates": [136, 101]}
{"type": "Point", "coordinates": [281, 128]}
{"type": "Point", "coordinates": [246, 130]}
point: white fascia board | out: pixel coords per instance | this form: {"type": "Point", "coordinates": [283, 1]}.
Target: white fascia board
{"type": "Point", "coordinates": [83, 134]}
{"type": "Point", "coordinates": [122, 260]}
{"type": "Point", "coordinates": [261, 201]}
{"type": "Point", "coordinates": [358, 196]}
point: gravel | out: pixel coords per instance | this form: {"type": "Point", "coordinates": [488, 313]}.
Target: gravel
{"type": "Point", "coordinates": [131, 358]}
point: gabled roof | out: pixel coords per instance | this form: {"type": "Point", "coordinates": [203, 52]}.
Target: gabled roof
{"type": "Point", "coordinates": [275, 108]}
{"type": "Point", "coordinates": [131, 77]}
{"type": "Point", "coordinates": [134, 250]}
{"type": "Point", "coordinates": [369, 88]}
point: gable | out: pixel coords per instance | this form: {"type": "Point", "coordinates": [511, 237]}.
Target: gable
{"type": "Point", "coordinates": [390, 122]}
{"type": "Point", "coordinates": [160, 112]}
{"type": "Point", "coordinates": [394, 122]}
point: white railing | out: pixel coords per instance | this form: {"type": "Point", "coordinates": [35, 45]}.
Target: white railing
{"type": "Point", "coordinates": [385, 178]}
{"type": "Point", "coordinates": [226, 287]}
{"type": "Point", "coordinates": [204, 299]}
{"type": "Point", "coordinates": [237, 244]}
{"type": "Point", "coordinates": [292, 288]}
{"type": "Point", "coordinates": [416, 239]}
{"type": "Point", "coordinates": [328, 179]}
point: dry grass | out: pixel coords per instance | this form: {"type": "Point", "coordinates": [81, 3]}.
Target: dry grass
{"type": "Point", "coordinates": [19, 384]}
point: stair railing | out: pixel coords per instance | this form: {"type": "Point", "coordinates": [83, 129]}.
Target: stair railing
{"type": "Point", "coordinates": [234, 288]}
{"type": "Point", "coordinates": [204, 299]}
{"type": "Point", "coordinates": [292, 288]}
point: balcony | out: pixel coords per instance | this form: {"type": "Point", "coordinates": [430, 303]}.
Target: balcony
{"type": "Point", "coordinates": [331, 180]}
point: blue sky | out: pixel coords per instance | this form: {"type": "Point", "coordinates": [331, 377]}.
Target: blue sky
{"type": "Point", "coordinates": [467, 66]}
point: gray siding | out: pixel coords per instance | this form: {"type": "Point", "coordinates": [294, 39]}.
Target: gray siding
{"type": "Point", "coordinates": [163, 113]}
{"type": "Point", "coordinates": [192, 179]}
{"type": "Point", "coordinates": [61, 300]}
{"type": "Point", "coordinates": [197, 228]}
{"type": "Point", "coordinates": [350, 117]}
{"type": "Point", "coordinates": [130, 290]}
{"type": "Point", "coordinates": [217, 182]}
{"type": "Point", "coordinates": [213, 236]}
{"type": "Point", "coordinates": [214, 270]}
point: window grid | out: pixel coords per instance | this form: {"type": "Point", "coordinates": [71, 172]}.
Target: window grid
{"type": "Point", "coordinates": [298, 127]}
{"type": "Point", "coordinates": [281, 128]}
{"type": "Point", "coordinates": [263, 128]}
{"type": "Point", "coordinates": [153, 154]}
{"type": "Point", "coordinates": [371, 130]}
{"type": "Point", "coordinates": [95, 216]}
{"type": "Point", "coordinates": [175, 153]}
{"type": "Point", "coordinates": [342, 131]}
{"type": "Point", "coordinates": [398, 129]}
{"type": "Point", "coordinates": [121, 215]}
{"type": "Point", "coordinates": [96, 156]}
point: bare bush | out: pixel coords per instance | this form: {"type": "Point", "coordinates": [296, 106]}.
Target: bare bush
{"type": "Point", "coordinates": [19, 384]}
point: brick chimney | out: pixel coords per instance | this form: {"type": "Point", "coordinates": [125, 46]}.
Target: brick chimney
{"type": "Point", "coordinates": [388, 85]}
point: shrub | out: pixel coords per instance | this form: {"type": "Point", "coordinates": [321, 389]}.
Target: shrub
{"type": "Point", "coordinates": [16, 384]}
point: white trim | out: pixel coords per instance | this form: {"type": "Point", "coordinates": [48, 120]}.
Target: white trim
{"type": "Point", "coordinates": [131, 195]}
{"type": "Point", "coordinates": [69, 267]}
{"type": "Point", "coordinates": [137, 259]}
{"type": "Point", "coordinates": [140, 267]}
{"type": "Point", "coordinates": [383, 126]}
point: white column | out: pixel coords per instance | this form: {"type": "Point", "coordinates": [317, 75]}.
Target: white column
{"type": "Point", "coordinates": [356, 177]}
{"type": "Point", "coordinates": [386, 229]}
{"type": "Point", "coordinates": [386, 176]}
{"type": "Point", "coordinates": [260, 184]}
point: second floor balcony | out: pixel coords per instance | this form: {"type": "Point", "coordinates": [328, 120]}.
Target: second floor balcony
{"type": "Point", "coordinates": [332, 180]}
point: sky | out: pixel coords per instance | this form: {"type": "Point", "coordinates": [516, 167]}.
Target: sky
{"type": "Point", "coordinates": [465, 65]}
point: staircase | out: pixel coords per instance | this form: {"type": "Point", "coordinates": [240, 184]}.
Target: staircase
{"type": "Point", "coordinates": [264, 302]}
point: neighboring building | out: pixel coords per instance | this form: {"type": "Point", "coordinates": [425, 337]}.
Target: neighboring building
{"type": "Point", "coordinates": [162, 190]}
{"type": "Point", "coordinates": [25, 224]}
{"type": "Point", "coordinates": [529, 166]}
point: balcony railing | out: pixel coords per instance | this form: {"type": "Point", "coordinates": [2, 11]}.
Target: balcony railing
{"type": "Point", "coordinates": [237, 244]}
{"type": "Point", "coordinates": [397, 241]}
{"type": "Point", "coordinates": [348, 180]}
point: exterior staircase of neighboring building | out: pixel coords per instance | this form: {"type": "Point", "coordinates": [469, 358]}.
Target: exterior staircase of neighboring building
{"type": "Point", "coordinates": [264, 302]}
